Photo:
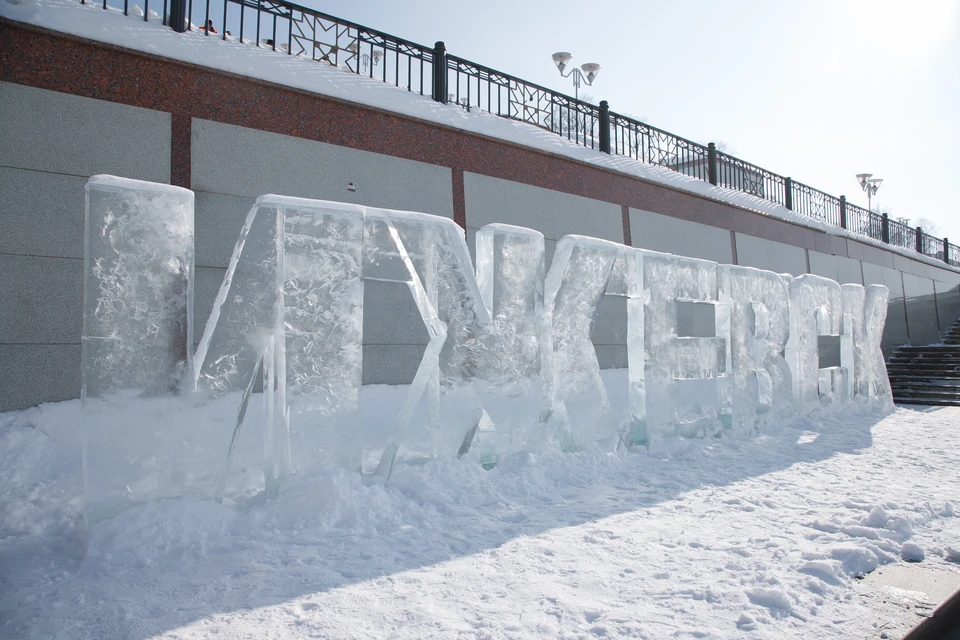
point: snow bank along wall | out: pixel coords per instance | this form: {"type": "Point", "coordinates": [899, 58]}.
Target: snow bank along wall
{"type": "Point", "coordinates": [71, 108]}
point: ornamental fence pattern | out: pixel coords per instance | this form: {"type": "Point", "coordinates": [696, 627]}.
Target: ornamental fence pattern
{"type": "Point", "coordinates": [300, 31]}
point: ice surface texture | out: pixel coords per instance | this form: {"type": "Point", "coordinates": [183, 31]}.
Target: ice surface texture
{"type": "Point", "coordinates": [509, 365]}
{"type": "Point", "coordinates": [138, 286]}
{"type": "Point", "coordinates": [136, 338]}
{"type": "Point", "coordinates": [582, 270]}
{"type": "Point", "coordinates": [291, 305]}
{"type": "Point", "coordinates": [867, 310]}
{"type": "Point", "coordinates": [685, 334]}
{"type": "Point", "coordinates": [759, 310]}
{"type": "Point", "coordinates": [817, 309]}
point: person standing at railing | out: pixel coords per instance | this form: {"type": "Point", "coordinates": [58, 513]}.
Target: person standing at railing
{"type": "Point", "coordinates": [209, 28]}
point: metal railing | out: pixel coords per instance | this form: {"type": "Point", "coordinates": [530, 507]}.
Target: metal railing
{"type": "Point", "coordinates": [301, 31]}
{"type": "Point", "coordinates": [740, 175]}
{"type": "Point", "coordinates": [814, 203]}
{"type": "Point", "coordinates": [863, 222]}
{"type": "Point", "coordinates": [473, 86]}
{"type": "Point", "coordinates": [930, 246]}
{"type": "Point", "coordinates": [901, 235]}
{"type": "Point", "coordinates": [648, 144]}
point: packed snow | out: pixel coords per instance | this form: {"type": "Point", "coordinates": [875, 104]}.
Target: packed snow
{"type": "Point", "coordinates": [733, 537]}
{"type": "Point", "coordinates": [90, 20]}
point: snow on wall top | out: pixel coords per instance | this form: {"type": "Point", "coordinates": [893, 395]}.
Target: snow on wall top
{"type": "Point", "coordinates": [112, 27]}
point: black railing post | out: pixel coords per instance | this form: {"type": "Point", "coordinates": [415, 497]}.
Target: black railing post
{"type": "Point", "coordinates": [885, 228]}
{"type": "Point", "coordinates": [919, 240]}
{"type": "Point", "coordinates": [788, 193]}
{"type": "Point", "coordinates": [604, 127]}
{"type": "Point", "coordinates": [946, 250]}
{"type": "Point", "coordinates": [843, 212]}
{"type": "Point", "coordinates": [178, 15]}
{"type": "Point", "coordinates": [712, 163]}
{"type": "Point", "coordinates": [440, 72]}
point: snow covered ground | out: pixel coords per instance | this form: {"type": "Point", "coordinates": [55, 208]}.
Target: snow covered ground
{"type": "Point", "coordinates": [760, 537]}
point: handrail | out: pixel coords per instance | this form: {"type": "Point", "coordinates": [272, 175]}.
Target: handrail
{"type": "Point", "coordinates": [306, 32]}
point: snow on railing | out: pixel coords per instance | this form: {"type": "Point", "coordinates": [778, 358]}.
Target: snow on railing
{"type": "Point", "coordinates": [301, 31]}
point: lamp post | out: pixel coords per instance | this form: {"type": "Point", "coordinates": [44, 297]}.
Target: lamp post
{"type": "Point", "coordinates": [869, 184]}
{"type": "Point", "coordinates": [364, 58]}
{"type": "Point", "coordinates": [585, 73]}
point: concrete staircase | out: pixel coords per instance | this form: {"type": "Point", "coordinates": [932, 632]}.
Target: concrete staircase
{"type": "Point", "coordinates": [927, 375]}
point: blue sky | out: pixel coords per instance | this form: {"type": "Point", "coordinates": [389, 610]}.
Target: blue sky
{"type": "Point", "coordinates": [819, 90]}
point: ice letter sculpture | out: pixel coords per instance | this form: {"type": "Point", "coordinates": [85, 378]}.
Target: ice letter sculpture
{"type": "Point", "coordinates": [408, 248]}
{"type": "Point", "coordinates": [136, 340]}
{"type": "Point", "coordinates": [685, 334]}
{"type": "Point", "coordinates": [582, 271]}
{"type": "Point", "coordinates": [509, 373]}
{"type": "Point", "coordinates": [816, 310]}
{"type": "Point", "coordinates": [484, 333]}
{"type": "Point", "coordinates": [867, 310]}
{"type": "Point", "coordinates": [509, 363]}
{"type": "Point", "coordinates": [291, 306]}
{"type": "Point", "coordinates": [759, 324]}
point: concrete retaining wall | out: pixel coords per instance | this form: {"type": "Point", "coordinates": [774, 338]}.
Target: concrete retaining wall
{"type": "Point", "coordinates": [51, 141]}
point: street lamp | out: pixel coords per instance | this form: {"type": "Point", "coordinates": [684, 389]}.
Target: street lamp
{"type": "Point", "coordinates": [869, 184]}
{"type": "Point", "coordinates": [586, 73]}
{"type": "Point", "coordinates": [365, 59]}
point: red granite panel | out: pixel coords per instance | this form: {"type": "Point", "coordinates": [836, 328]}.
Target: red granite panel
{"type": "Point", "coordinates": [627, 236]}
{"type": "Point", "coordinates": [180, 150]}
{"type": "Point", "coordinates": [459, 198]}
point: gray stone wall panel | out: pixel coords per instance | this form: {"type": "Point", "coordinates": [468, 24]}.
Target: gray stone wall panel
{"type": "Point", "coordinates": [772, 256]}
{"type": "Point", "coordinates": [42, 213]}
{"type": "Point", "coordinates": [681, 237]}
{"type": "Point", "coordinates": [237, 161]}
{"type": "Point", "coordinates": [42, 300]}
{"type": "Point", "coordinates": [62, 133]}
{"type": "Point", "coordinates": [35, 373]}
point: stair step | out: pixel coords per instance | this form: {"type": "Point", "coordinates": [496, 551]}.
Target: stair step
{"type": "Point", "coordinates": [927, 403]}
{"type": "Point", "coordinates": [927, 375]}
{"type": "Point", "coordinates": [926, 396]}
{"type": "Point", "coordinates": [922, 386]}
{"type": "Point", "coordinates": [926, 366]}
{"type": "Point", "coordinates": [929, 353]}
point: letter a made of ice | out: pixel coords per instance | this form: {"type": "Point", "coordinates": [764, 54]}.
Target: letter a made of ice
{"type": "Point", "coordinates": [291, 301]}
